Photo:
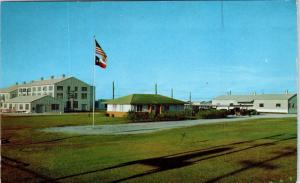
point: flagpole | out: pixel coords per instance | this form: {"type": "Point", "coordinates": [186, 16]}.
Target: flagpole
{"type": "Point", "coordinates": [94, 89]}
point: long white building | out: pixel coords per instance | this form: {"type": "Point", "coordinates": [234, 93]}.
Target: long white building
{"type": "Point", "coordinates": [69, 92]}
{"type": "Point", "coordinates": [271, 103]}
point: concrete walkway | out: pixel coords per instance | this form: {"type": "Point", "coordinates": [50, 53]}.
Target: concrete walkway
{"type": "Point", "coordinates": [148, 127]}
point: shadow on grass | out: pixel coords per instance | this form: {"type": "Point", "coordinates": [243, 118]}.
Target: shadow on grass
{"type": "Point", "coordinates": [188, 158]}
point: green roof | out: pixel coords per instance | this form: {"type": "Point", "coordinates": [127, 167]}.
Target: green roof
{"type": "Point", "coordinates": [145, 99]}
{"type": "Point", "coordinates": [249, 98]}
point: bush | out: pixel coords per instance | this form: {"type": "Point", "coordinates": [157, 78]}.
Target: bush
{"type": "Point", "coordinates": [212, 114]}
{"type": "Point", "coordinates": [165, 116]}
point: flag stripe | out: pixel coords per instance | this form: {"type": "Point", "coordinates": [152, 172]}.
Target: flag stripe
{"type": "Point", "coordinates": [99, 51]}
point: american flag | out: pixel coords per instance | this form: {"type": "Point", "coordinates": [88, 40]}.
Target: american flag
{"type": "Point", "coordinates": [99, 52]}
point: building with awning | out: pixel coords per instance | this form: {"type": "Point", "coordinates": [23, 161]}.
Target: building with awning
{"type": "Point", "coordinates": [149, 103]}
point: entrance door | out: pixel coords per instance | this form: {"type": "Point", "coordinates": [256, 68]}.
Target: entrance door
{"type": "Point", "coordinates": [40, 108]}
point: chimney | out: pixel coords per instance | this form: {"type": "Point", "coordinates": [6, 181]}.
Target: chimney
{"type": "Point", "coordinates": [254, 93]}
{"type": "Point", "coordinates": [24, 82]}
{"type": "Point", "coordinates": [63, 76]}
{"type": "Point", "coordinates": [286, 91]}
{"type": "Point", "coordinates": [32, 81]}
{"type": "Point", "coordinates": [52, 77]}
{"type": "Point", "coordinates": [17, 83]}
{"type": "Point", "coordinates": [42, 78]}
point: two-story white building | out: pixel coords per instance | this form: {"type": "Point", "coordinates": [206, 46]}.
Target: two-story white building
{"type": "Point", "coordinates": [74, 94]}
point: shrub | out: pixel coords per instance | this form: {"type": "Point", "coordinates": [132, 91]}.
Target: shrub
{"type": "Point", "coordinates": [165, 116]}
{"type": "Point", "coordinates": [212, 114]}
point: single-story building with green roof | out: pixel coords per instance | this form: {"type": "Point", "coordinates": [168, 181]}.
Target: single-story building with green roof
{"type": "Point", "coordinates": [268, 103]}
{"type": "Point", "coordinates": [150, 103]}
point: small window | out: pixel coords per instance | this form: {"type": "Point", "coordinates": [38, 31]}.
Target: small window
{"type": "Point", "coordinates": [54, 107]}
{"type": "Point", "coordinates": [29, 89]}
{"type": "Point", "coordinates": [5, 105]}
{"type": "Point", "coordinates": [231, 104]}
{"type": "Point", "coordinates": [84, 96]}
{"type": "Point", "coordinates": [139, 108]}
{"type": "Point", "coordinates": [69, 88]}
{"type": "Point", "coordinates": [38, 93]}
{"type": "Point", "coordinates": [75, 104]}
{"type": "Point", "coordinates": [24, 90]}
{"type": "Point", "coordinates": [278, 105]}
{"type": "Point", "coordinates": [50, 88]}
{"type": "Point", "coordinates": [20, 90]}
{"type": "Point", "coordinates": [21, 106]}
{"type": "Point", "coordinates": [60, 88]}
{"type": "Point", "coordinates": [60, 95]}
{"type": "Point", "coordinates": [10, 106]}
{"type": "Point", "coordinates": [76, 88]}
{"type": "Point", "coordinates": [75, 95]}
{"type": "Point", "coordinates": [39, 88]}
{"type": "Point", "coordinates": [33, 89]}
{"type": "Point", "coordinates": [45, 88]}
{"type": "Point", "coordinates": [84, 89]}
{"type": "Point", "coordinates": [27, 106]}
{"type": "Point", "coordinates": [261, 105]}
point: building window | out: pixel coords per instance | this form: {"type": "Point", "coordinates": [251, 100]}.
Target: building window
{"type": "Point", "coordinates": [75, 95]}
{"type": "Point", "coordinates": [76, 88]}
{"type": "Point", "coordinates": [33, 94]}
{"type": "Point", "coordinates": [83, 107]}
{"type": "Point", "coordinates": [75, 104]}
{"type": "Point", "coordinates": [293, 105]}
{"type": "Point", "coordinates": [84, 89]}
{"type": "Point", "coordinates": [261, 105]}
{"type": "Point", "coordinates": [278, 105]}
{"type": "Point", "coordinates": [60, 88]}
{"type": "Point", "coordinates": [33, 89]}
{"type": "Point", "coordinates": [50, 88]}
{"type": "Point", "coordinates": [44, 88]}
{"type": "Point", "coordinates": [28, 89]}
{"type": "Point", "coordinates": [5, 105]}
{"type": "Point", "coordinates": [24, 89]}
{"type": "Point", "coordinates": [231, 104]}
{"type": "Point", "coordinates": [38, 93]}
{"type": "Point", "coordinates": [69, 88]}
{"type": "Point", "coordinates": [26, 106]}
{"type": "Point", "coordinates": [21, 106]}
{"type": "Point", "coordinates": [39, 88]}
{"type": "Point", "coordinates": [20, 90]}
{"type": "Point", "coordinates": [84, 96]}
{"type": "Point", "coordinates": [60, 95]}
{"type": "Point", "coordinates": [54, 107]}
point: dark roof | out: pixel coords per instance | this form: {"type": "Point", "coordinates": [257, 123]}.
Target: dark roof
{"type": "Point", "coordinates": [145, 99]}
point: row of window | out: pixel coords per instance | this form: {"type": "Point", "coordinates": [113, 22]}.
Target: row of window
{"type": "Point", "coordinates": [277, 105]}
{"type": "Point", "coordinates": [15, 106]}
{"type": "Point", "coordinates": [38, 88]}
{"type": "Point", "coordinates": [61, 96]}
{"type": "Point", "coordinates": [61, 88]}
{"type": "Point", "coordinates": [36, 94]}
{"type": "Point", "coordinates": [49, 88]}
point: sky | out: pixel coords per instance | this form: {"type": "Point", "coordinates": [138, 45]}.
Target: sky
{"type": "Point", "coordinates": [206, 48]}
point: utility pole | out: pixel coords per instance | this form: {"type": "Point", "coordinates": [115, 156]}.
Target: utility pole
{"type": "Point", "coordinates": [113, 90]}
{"type": "Point", "coordinates": [155, 88]}
{"type": "Point", "coordinates": [171, 92]}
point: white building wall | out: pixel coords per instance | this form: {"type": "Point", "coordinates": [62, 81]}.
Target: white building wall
{"type": "Point", "coordinates": [119, 108]}
{"type": "Point", "coordinates": [270, 106]}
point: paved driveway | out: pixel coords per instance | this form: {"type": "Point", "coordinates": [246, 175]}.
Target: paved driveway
{"type": "Point", "coordinates": [148, 127]}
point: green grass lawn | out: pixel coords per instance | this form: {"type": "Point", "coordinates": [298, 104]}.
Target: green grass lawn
{"type": "Point", "coordinates": [259, 150]}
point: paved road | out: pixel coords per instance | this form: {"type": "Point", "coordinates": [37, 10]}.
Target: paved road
{"type": "Point", "coordinates": [148, 127]}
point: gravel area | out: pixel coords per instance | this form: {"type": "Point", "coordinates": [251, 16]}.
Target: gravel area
{"type": "Point", "coordinates": [149, 127]}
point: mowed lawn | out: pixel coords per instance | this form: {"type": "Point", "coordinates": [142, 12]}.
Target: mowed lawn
{"type": "Point", "coordinates": [260, 150]}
